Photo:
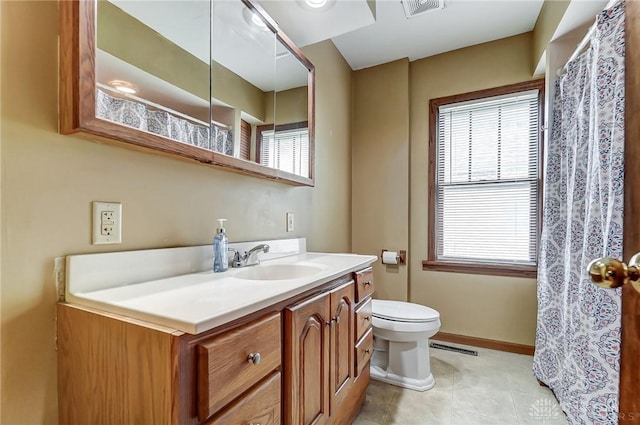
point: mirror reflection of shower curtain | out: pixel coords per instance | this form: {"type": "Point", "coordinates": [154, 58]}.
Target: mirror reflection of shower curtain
{"type": "Point", "coordinates": [578, 333]}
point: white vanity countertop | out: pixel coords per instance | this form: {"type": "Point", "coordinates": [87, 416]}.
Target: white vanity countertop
{"type": "Point", "coordinates": [197, 302]}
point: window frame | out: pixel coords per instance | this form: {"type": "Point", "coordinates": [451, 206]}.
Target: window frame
{"type": "Point", "coordinates": [473, 267]}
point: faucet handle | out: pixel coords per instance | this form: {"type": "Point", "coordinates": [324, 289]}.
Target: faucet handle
{"type": "Point", "coordinates": [236, 262]}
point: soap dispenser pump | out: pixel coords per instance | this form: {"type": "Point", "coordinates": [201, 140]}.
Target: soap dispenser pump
{"type": "Point", "coordinates": [220, 249]}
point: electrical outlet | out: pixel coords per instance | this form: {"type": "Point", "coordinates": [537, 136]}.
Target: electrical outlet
{"type": "Point", "coordinates": [107, 223]}
{"type": "Point", "coordinates": [290, 222]}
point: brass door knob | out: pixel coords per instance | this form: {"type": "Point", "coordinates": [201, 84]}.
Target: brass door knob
{"type": "Point", "coordinates": [611, 273]}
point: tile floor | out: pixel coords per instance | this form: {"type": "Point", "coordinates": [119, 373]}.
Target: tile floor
{"type": "Point", "coordinates": [494, 388]}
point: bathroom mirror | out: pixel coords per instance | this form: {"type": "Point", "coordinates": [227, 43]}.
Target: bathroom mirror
{"type": "Point", "coordinates": [202, 80]}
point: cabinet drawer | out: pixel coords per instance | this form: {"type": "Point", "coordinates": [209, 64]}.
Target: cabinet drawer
{"type": "Point", "coordinates": [364, 350]}
{"type": "Point", "coordinates": [363, 319]}
{"type": "Point", "coordinates": [232, 362]}
{"type": "Point", "coordinates": [261, 405]}
{"type": "Point", "coordinates": [364, 284]}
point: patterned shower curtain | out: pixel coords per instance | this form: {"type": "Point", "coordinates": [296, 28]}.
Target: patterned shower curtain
{"type": "Point", "coordinates": [578, 335]}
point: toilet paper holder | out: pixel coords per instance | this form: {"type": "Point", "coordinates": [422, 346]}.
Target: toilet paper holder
{"type": "Point", "coordinates": [401, 257]}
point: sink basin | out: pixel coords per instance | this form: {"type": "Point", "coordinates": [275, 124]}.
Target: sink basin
{"type": "Point", "coordinates": [278, 272]}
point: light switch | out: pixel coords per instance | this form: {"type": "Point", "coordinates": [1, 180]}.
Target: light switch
{"type": "Point", "coordinates": [290, 222]}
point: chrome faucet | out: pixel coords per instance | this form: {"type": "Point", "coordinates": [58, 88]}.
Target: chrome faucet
{"type": "Point", "coordinates": [249, 258]}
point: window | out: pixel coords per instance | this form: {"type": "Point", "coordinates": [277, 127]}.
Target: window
{"type": "Point", "coordinates": [286, 148]}
{"type": "Point", "coordinates": [485, 186]}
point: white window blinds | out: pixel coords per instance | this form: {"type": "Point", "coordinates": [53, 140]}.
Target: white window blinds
{"type": "Point", "coordinates": [286, 150]}
{"type": "Point", "coordinates": [487, 180]}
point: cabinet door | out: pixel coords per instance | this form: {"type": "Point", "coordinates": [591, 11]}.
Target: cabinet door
{"type": "Point", "coordinates": [342, 344]}
{"type": "Point", "coordinates": [307, 333]}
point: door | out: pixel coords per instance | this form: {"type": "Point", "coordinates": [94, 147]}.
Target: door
{"type": "Point", "coordinates": [611, 273]}
{"type": "Point", "coordinates": [630, 349]}
{"type": "Point", "coordinates": [306, 390]}
{"type": "Point", "coordinates": [342, 344]}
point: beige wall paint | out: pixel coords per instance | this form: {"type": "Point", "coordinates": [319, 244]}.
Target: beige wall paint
{"type": "Point", "coordinates": [550, 16]}
{"type": "Point", "coordinates": [2, 46]}
{"type": "Point", "coordinates": [388, 183]}
{"type": "Point", "coordinates": [380, 146]}
{"type": "Point", "coordinates": [234, 90]}
{"type": "Point", "coordinates": [330, 230]}
{"type": "Point", "coordinates": [292, 105]}
{"type": "Point", "coordinates": [497, 308]}
{"type": "Point", "coordinates": [49, 181]}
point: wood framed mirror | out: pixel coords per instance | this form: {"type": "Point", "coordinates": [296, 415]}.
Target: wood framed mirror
{"type": "Point", "coordinates": [189, 79]}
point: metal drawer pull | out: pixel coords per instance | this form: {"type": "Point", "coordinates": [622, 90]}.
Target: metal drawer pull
{"type": "Point", "coordinates": [337, 319]}
{"type": "Point", "coordinates": [367, 318]}
{"type": "Point", "coordinates": [367, 351]}
{"type": "Point", "coordinates": [330, 323]}
{"type": "Point", "coordinates": [254, 358]}
{"type": "Point", "coordinates": [367, 283]}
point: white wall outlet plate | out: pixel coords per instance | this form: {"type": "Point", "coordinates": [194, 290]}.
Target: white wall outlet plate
{"type": "Point", "coordinates": [290, 222]}
{"type": "Point", "coordinates": [107, 223]}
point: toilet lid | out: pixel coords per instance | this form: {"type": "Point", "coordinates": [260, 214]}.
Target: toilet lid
{"type": "Point", "coordinates": [400, 311]}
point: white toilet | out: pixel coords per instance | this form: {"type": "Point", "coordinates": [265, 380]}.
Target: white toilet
{"type": "Point", "coordinates": [401, 333]}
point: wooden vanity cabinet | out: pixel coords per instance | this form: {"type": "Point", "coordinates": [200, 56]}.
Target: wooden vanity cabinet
{"type": "Point", "coordinates": [117, 370]}
{"type": "Point", "coordinates": [230, 363]}
{"type": "Point", "coordinates": [341, 358]}
{"type": "Point", "coordinates": [363, 328]}
{"type": "Point", "coordinates": [312, 365]}
{"type": "Point", "coordinates": [318, 355]}
{"type": "Point", "coordinates": [307, 351]}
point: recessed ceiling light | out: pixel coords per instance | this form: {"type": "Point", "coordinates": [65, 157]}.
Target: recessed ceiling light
{"type": "Point", "coordinates": [123, 86]}
{"type": "Point", "coordinates": [254, 20]}
{"type": "Point", "coordinates": [316, 4]}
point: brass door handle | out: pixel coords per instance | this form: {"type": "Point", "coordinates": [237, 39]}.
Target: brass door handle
{"type": "Point", "coordinates": [611, 273]}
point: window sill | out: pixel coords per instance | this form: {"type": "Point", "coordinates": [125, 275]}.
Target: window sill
{"type": "Point", "coordinates": [483, 269]}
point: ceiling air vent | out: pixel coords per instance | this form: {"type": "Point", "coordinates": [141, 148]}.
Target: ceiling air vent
{"type": "Point", "coordinates": [413, 8]}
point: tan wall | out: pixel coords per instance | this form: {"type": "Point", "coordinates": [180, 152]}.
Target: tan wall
{"type": "Point", "coordinates": [1, 215]}
{"type": "Point", "coordinates": [291, 105]}
{"type": "Point", "coordinates": [234, 90]}
{"type": "Point", "coordinates": [497, 308]}
{"type": "Point", "coordinates": [550, 16]}
{"type": "Point", "coordinates": [49, 181]}
{"type": "Point", "coordinates": [380, 146]}
{"type": "Point", "coordinates": [330, 230]}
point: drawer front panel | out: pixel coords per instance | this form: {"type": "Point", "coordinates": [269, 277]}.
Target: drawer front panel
{"type": "Point", "coordinates": [364, 350]}
{"type": "Point", "coordinates": [363, 319]}
{"type": "Point", "coordinates": [364, 284]}
{"type": "Point", "coordinates": [259, 406]}
{"type": "Point", "coordinates": [232, 362]}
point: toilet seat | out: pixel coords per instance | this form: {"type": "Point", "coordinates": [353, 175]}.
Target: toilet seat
{"type": "Point", "coordinates": [400, 311]}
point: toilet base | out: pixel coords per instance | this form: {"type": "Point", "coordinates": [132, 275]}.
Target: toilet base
{"type": "Point", "coordinates": [425, 384]}
{"type": "Point", "coordinates": [405, 363]}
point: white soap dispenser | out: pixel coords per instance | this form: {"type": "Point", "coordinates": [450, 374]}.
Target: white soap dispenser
{"type": "Point", "coordinates": [220, 249]}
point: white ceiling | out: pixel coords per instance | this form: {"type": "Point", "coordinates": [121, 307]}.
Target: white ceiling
{"type": "Point", "coordinates": [392, 36]}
